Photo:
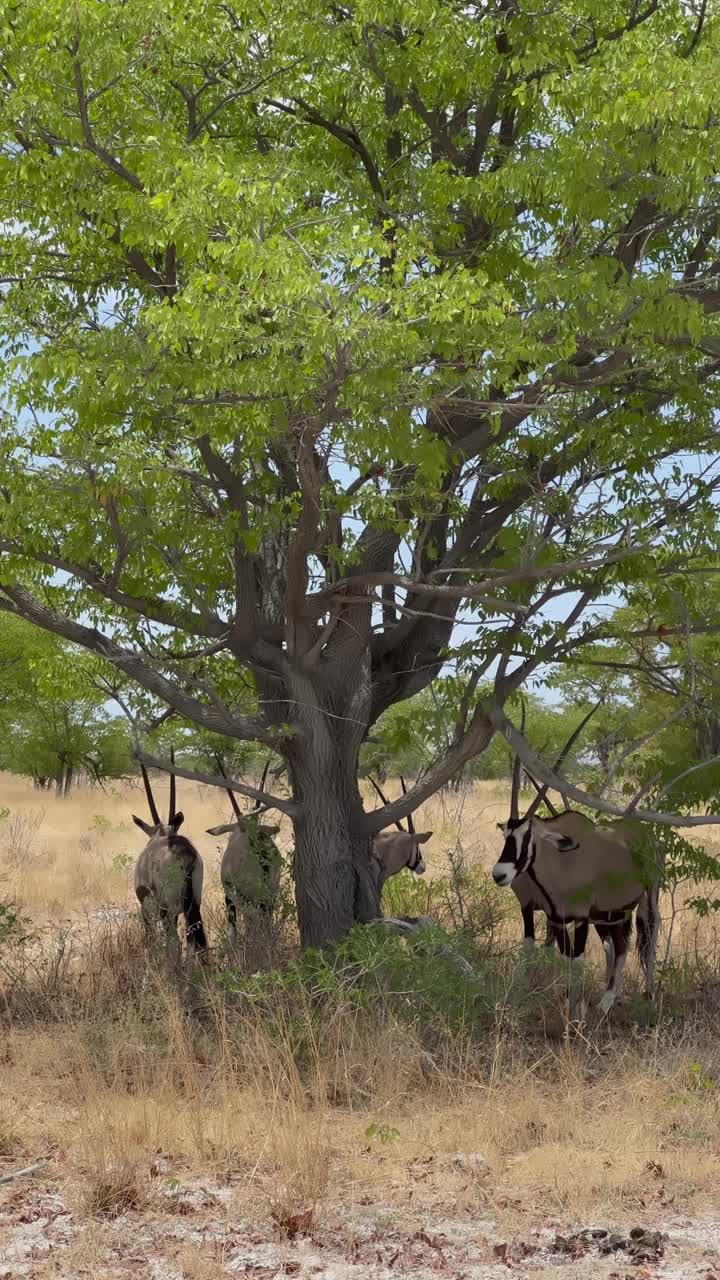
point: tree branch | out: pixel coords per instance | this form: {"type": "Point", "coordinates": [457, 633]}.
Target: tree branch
{"type": "Point", "coordinates": [472, 743]}
{"type": "Point", "coordinates": [538, 767]}
{"type": "Point", "coordinates": [116, 167]}
{"type": "Point", "coordinates": [18, 601]}
{"type": "Point", "coordinates": [224, 783]}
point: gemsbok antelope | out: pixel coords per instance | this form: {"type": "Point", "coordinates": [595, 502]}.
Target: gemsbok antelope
{"type": "Point", "coordinates": [169, 876]}
{"type": "Point", "coordinates": [394, 850]}
{"type": "Point", "coordinates": [595, 877]}
{"type": "Point", "coordinates": [251, 864]}
{"type": "Point", "coordinates": [574, 825]}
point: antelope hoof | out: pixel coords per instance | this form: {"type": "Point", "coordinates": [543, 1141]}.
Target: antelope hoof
{"type": "Point", "coordinates": [578, 1010]}
{"type": "Point", "coordinates": [578, 1015]}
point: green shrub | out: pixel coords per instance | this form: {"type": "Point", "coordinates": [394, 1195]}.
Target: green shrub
{"type": "Point", "coordinates": [408, 894]}
{"type": "Point", "coordinates": [415, 979]}
{"type": "Point", "coordinates": [15, 928]}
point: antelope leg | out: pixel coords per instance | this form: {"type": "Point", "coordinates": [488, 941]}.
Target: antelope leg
{"type": "Point", "coordinates": [615, 978]}
{"type": "Point", "coordinates": [577, 971]}
{"type": "Point", "coordinates": [528, 915]}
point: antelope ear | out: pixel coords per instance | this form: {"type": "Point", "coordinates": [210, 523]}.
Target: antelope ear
{"type": "Point", "coordinates": [560, 841]}
{"type": "Point", "coordinates": [177, 820]}
{"type": "Point", "coordinates": [500, 826]}
{"type": "Point", "coordinates": [423, 836]}
{"type": "Point", "coordinates": [223, 830]}
{"type": "Point", "coordinates": [270, 831]}
{"type": "Point", "coordinates": [144, 826]}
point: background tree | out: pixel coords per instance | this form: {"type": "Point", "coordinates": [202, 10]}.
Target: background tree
{"type": "Point", "coordinates": [328, 328]}
{"type": "Point", "coordinates": [412, 736]}
{"type": "Point", "coordinates": [660, 714]}
{"type": "Point", "coordinates": [55, 726]}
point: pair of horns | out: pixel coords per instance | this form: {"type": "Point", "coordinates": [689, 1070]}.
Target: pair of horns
{"type": "Point", "coordinates": [542, 789]}
{"type": "Point", "coordinates": [399, 825]}
{"type": "Point", "coordinates": [151, 799]}
{"type": "Point", "coordinates": [233, 798]}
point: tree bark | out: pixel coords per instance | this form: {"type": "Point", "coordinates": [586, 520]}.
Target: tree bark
{"type": "Point", "coordinates": [334, 886]}
{"type": "Point", "coordinates": [67, 786]}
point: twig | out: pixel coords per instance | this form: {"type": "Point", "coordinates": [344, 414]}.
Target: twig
{"type": "Point", "coordinates": [22, 1173]}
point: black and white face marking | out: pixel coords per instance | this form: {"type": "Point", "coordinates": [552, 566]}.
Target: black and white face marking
{"type": "Point", "coordinates": [518, 851]}
{"type": "Point", "coordinates": [521, 839]}
{"type": "Point", "coordinates": [416, 862]}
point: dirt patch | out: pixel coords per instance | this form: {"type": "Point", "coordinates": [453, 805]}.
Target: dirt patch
{"type": "Point", "coordinates": [199, 1228]}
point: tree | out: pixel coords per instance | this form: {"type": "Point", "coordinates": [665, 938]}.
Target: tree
{"type": "Point", "coordinates": [330, 328]}
{"type": "Point", "coordinates": [54, 721]}
{"type": "Point", "coordinates": [659, 722]}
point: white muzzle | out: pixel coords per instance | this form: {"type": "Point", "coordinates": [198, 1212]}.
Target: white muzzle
{"type": "Point", "coordinates": [503, 873]}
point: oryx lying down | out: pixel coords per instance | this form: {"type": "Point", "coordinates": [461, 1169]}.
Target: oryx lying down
{"type": "Point", "coordinates": [595, 877]}
{"type": "Point", "coordinates": [251, 864]}
{"type": "Point", "coordinates": [394, 850]}
{"type": "Point", "coordinates": [169, 876]}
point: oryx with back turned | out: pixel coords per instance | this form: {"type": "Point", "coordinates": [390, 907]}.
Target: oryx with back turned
{"type": "Point", "coordinates": [394, 850]}
{"type": "Point", "coordinates": [169, 875]}
{"type": "Point", "coordinates": [251, 864]}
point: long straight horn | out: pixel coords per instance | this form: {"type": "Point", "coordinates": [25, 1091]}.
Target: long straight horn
{"type": "Point", "coordinates": [148, 792]}
{"type": "Point", "coordinates": [231, 794]}
{"type": "Point", "coordinates": [575, 735]}
{"type": "Point", "coordinates": [258, 803]}
{"type": "Point", "coordinates": [411, 824]}
{"type": "Point", "coordinates": [171, 814]}
{"type": "Point", "coordinates": [515, 789]}
{"type": "Point", "coordinates": [384, 799]}
{"type": "Point", "coordinates": [542, 791]}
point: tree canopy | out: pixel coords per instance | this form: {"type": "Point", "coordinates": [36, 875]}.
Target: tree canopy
{"type": "Point", "coordinates": [344, 341]}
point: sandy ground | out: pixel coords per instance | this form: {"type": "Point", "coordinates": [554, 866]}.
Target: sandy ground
{"type": "Point", "coordinates": [193, 1229]}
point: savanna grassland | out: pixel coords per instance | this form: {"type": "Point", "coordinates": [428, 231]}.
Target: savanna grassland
{"type": "Point", "coordinates": [379, 1117]}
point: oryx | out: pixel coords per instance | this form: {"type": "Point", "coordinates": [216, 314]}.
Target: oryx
{"type": "Point", "coordinates": [595, 876]}
{"type": "Point", "coordinates": [575, 826]}
{"type": "Point", "coordinates": [169, 875]}
{"type": "Point", "coordinates": [393, 850]}
{"type": "Point", "coordinates": [251, 864]}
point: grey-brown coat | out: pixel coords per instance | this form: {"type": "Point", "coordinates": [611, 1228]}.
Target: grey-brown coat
{"type": "Point", "coordinates": [250, 868]}
{"type": "Point", "coordinates": [169, 877]}
{"type": "Point", "coordinates": [596, 877]}
{"type": "Point", "coordinates": [251, 863]}
{"type": "Point", "coordinates": [392, 851]}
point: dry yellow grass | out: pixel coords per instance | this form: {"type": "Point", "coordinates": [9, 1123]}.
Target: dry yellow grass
{"type": "Point", "coordinates": [134, 1100]}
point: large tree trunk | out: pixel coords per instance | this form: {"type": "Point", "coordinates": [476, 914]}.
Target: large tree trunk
{"type": "Point", "coordinates": [334, 887]}
{"type": "Point", "coordinates": [68, 780]}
